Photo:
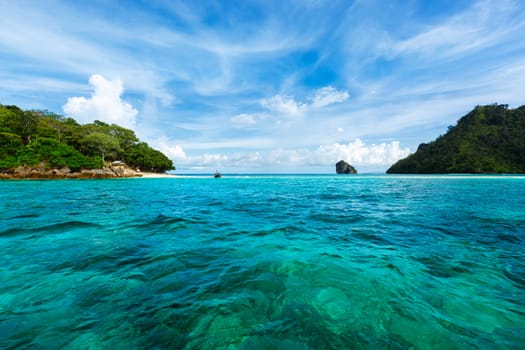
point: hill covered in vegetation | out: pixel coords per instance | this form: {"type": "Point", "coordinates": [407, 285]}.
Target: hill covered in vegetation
{"type": "Point", "coordinates": [488, 140]}
{"type": "Point", "coordinates": [33, 138]}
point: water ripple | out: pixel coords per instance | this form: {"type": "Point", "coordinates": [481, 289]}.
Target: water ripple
{"type": "Point", "coordinates": [297, 262]}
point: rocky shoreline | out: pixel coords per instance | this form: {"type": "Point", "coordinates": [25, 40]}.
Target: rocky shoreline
{"type": "Point", "coordinates": [42, 172]}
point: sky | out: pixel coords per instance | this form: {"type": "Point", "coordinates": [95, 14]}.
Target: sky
{"type": "Point", "coordinates": [289, 86]}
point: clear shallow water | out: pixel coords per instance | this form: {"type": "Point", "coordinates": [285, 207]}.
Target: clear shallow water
{"type": "Point", "coordinates": [270, 262]}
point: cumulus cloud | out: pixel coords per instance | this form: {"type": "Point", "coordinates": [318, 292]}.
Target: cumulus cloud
{"type": "Point", "coordinates": [166, 146]}
{"type": "Point", "coordinates": [284, 105]}
{"type": "Point", "coordinates": [105, 104]}
{"type": "Point", "coordinates": [211, 160]}
{"type": "Point", "coordinates": [174, 152]}
{"type": "Point", "coordinates": [358, 153]}
{"type": "Point", "coordinates": [203, 161]}
{"type": "Point", "coordinates": [328, 95]}
{"type": "Point", "coordinates": [243, 120]}
{"type": "Point", "coordinates": [355, 152]}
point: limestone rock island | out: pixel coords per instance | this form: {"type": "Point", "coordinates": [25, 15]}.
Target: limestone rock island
{"type": "Point", "coordinates": [342, 167]}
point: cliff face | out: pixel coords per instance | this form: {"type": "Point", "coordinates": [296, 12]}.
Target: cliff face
{"type": "Point", "coordinates": [343, 167]}
{"type": "Point", "coordinates": [488, 140]}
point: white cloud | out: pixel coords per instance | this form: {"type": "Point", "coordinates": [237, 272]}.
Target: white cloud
{"type": "Point", "coordinates": [373, 156]}
{"type": "Point", "coordinates": [328, 95]}
{"type": "Point", "coordinates": [289, 106]}
{"type": "Point", "coordinates": [340, 130]}
{"type": "Point", "coordinates": [357, 152]}
{"type": "Point", "coordinates": [284, 105]}
{"type": "Point", "coordinates": [174, 152]}
{"type": "Point", "coordinates": [165, 145]}
{"type": "Point", "coordinates": [243, 120]}
{"type": "Point", "coordinates": [210, 160]}
{"type": "Point", "coordinates": [483, 24]}
{"type": "Point", "coordinates": [105, 104]}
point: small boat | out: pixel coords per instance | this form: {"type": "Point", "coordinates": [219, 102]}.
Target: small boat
{"type": "Point", "coordinates": [217, 174]}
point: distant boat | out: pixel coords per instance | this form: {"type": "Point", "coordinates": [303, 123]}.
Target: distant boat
{"type": "Point", "coordinates": [217, 174]}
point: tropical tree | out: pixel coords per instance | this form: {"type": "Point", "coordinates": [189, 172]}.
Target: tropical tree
{"type": "Point", "coordinates": [9, 145]}
{"type": "Point", "coordinates": [39, 136]}
{"type": "Point", "coordinates": [20, 122]}
{"type": "Point", "coordinates": [104, 144]}
{"type": "Point", "coordinates": [143, 156]}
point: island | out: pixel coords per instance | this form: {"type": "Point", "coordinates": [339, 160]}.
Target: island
{"type": "Point", "coordinates": [488, 140]}
{"type": "Point", "coordinates": [342, 167]}
{"type": "Point", "coordinates": [41, 144]}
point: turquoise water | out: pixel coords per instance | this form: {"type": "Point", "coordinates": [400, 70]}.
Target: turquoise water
{"type": "Point", "coordinates": [268, 262]}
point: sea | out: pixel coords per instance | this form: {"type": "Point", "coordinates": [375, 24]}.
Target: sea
{"type": "Point", "coordinates": [263, 262]}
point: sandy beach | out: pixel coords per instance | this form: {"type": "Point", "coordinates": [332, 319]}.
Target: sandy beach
{"type": "Point", "coordinates": [157, 175]}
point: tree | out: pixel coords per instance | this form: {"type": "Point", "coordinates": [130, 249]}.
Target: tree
{"type": "Point", "coordinates": [125, 137]}
{"type": "Point", "coordinates": [489, 139]}
{"type": "Point", "coordinates": [42, 137]}
{"type": "Point", "coordinates": [104, 144]}
{"type": "Point", "coordinates": [53, 154]}
{"type": "Point", "coordinates": [9, 145]}
{"type": "Point", "coordinates": [6, 119]}
{"type": "Point", "coordinates": [56, 126]}
{"type": "Point", "coordinates": [147, 158]}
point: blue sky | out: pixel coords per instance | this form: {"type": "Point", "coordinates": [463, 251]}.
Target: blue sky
{"type": "Point", "coordinates": [266, 86]}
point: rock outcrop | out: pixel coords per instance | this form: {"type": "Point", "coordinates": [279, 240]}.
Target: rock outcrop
{"type": "Point", "coordinates": [343, 167]}
{"type": "Point", "coordinates": [42, 172]}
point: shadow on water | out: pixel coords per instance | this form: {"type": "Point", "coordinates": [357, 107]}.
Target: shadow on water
{"type": "Point", "coordinates": [49, 229]}
{"type": "Point", "coordinates": [24, 216]}
{"type": "Point", "coordinates": [440, 266]}
{"type": "Point", "coordinates": [164, 220]}
{"type": "Point", "coordinates": [516, 274]}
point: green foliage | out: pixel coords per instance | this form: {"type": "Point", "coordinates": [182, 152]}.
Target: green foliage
{"type": "Point", "coordinates": [8, 162]}
{"type": "Point", "coordinates": [101, 143]}
{"type": "Point", "coordinates": [146, 158]}
{"type": "Point", "coordinates": [9, 144]}
{"type": "Point", "coordinates": [489, 139]}
{"type": "Point", "coordinates": [42, 137]}
{"type": "Point", "coordinates": [18, 121]}
{"type": "Point", "coordinates": [125, 137]}
{"type": "Point", "coordinates": [54, 154]}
